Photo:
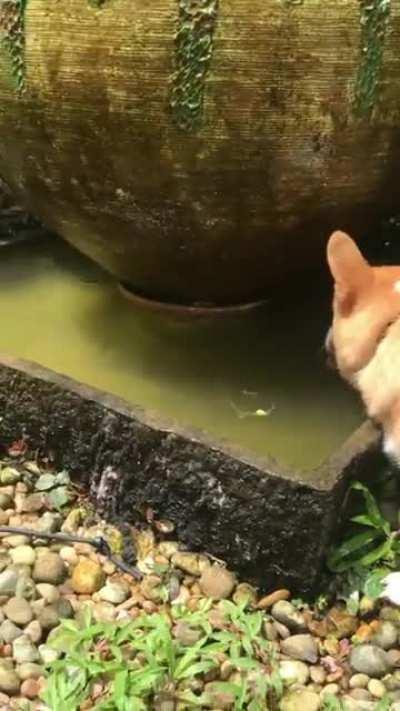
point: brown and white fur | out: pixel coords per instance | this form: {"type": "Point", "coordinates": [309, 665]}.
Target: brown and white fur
{"type": "Point", "coordinates": [364, 339]}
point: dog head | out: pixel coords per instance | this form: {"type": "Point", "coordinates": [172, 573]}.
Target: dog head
{"type": "Point", "coordinates": [366, 302]}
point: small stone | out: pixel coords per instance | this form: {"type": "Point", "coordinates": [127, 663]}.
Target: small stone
{"type": "Point", "coordinates": [186, 635]}
{"type": "Point", "coordinates": [217, 582]}
{"type": "Point", "coordinates": [168, 548]}
{"type": "Point", "coordinates": [281, 630]}
{"type": "Point", "coordinates": [49, 617]}
{"type": "Point", "coordinates": [392, 681]}
{"type": "Point", "coordinates": [5, 501]}
{"type": "Point", "coordinates": [331, 690]}
{"type": "Point", "coordinates": [24, 650]}
{"type": "Point", "coordinates": [376, 689]}
{"type": "Point", "coordinates": [270, 631]}
{"type": "Point", "coordinates": [273, 598]}
{"type": "Point", "coordinates": [302, 647]}
{"type": "Point", "coordinates": [47, 654]}
{"type": "Point", "coordinates": [386, 635]}
{"type": "Point", "coordinates": [183, 597]}
{"type": "Point", "coordinates": [286, 613]}
{"type": "Point", "coordinates": [359, 681]}
{"type": "Point", "coordinates": [104, 612]}
{"type": "Point", "coordinates": [342, 623]}
{"type": "Point", "coordinates": [9, 681]}
{"type": "Point", "coordinates": [318, 675]}
{"type": "Point", "coordinates": [188, 562]}
{"type": "Point", "coordinates": [29, 670]}
{"type": "Point", "coordinates": [49, 568]}
{"type": "Point", "coordinates": [34, 631]}
{"type": "Point", "coordinates": [292, 672]}
{"type": "Point", "coordinates": [9, 631]}
{"type": "Point", "coordinates": [33, 503]}
{"type": "Point", "coordinates": [87, 578]}
{"type": "Point", "coordinates": [69, 555]}
{"type": "Point", "coordinates": [226, 669]}
{"type": "Point", "coordinates": [367, 605]}
{"type": "Point", "coordinates": [116, 593]}
{"type": "Point", "coordinates": [18, 610]}
{"type": "Point", "coordinates": [23, 555]}
{"type": "Point", "coordinates": [392, 614]}
{"type": "Point", "coordinates": [150, 588]}
{"type": "Point", "coordinates": [48, 592]}
{"type": "Point", "coordinates": [369, 659]}
{"type": "Point", "coordinates": [360, 695]}
{"type": "Point", "coordinates": [30, 689]}
{"type": "Point", "coordinates": [8, 582]}
{"type": "Point", "coordinates": [49, 523]}
{"type": "Point", "coordinates": [244, 593]}
{"type": "Point", "coordinates": [300, 700]}
{"type": "Point", "coordinates": [15, 540]}
{"type": "Point", "coordinates": [73, 521]}
{"type": "Point", "coordinates": [9, 476]}
{"type": "Point", "coordinates": [220, 699]}
{"type": "Point", "coordinates": [393, 656]}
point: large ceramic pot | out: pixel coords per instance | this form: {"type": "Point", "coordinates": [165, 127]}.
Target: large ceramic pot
{"type": "Point", "coordinates": [201, 150]}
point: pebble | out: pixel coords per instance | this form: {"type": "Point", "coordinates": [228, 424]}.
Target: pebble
{"type": "Point", "coordinates": [318, 675]}
{"type": "Point", "coordinates": [8, 582]}
{"type": "Point", "coordinates": [186, 635]}
{"type": "Point", "coordinates": [376, 688]}
{"type": "Point", "coordinates": [330, 690]}
{"type": "Point", "coordinates": [360, 694]}
{"type": "Point", "coordinates": [244, 593]}
{"type": "Point", "coordinates": [49, 617]}
{"type": "Point", "coordinates": [286, 613]}
{"type": "Point", "coordinates": [49, 568]}
{"type": "Point", "coordinates": [273, 598]}
{"type": "Point", "coordinates": [293, 672]}
{"type": "Point", "coordinates": [32, 503]}
{"type": "Point", "coordinates": [116, 593]}
{"type": "Point", "coordinates": [5, 501]}
{"type": "Point", "coordinates": [24, 650]}
{"type": "Point", "coordinates": [302, 647]}
{"type": "Point", "coordinates": [30, 688]}
{"type": "Point", "coordinates": [300, 700]}
{"type": "Point", "coordinates": [9, 681]}
{"type": "Point", "coordinates": [23, 555]}
{"type": "Point", "coordinates": [34, 631]}
{"type": "Point", "coordinates": [48, 592]}
{"type": "Point", "coordinates": [369, 659]}
{"type": "Point", "coordinates": [18, 610]}
{"type": "Point", "coordinates": [69, 555]}
{"type": "Point", "coordinates": [393, 656]}
{"type": "Point", "coordinates": [88, 577]}
{"type": "Point", "coordinates": [29, 670]}
{"type": "Point", "coordinates": [9, 631]}
{"type": "Point", "coordinates": [386, 635]}
{"type": "Point", "coordinates": [47, 654]}
{"type": "Point", "coordinates": [359, 681]}
{"type": "Point", "coordinates": [16, 540]}
{"type": "Point", "coordinates": [9, 476]}
{"type": "Point", "coordinates": [189, 562]}
{"type": "Point", "coordinates": [217, 582]}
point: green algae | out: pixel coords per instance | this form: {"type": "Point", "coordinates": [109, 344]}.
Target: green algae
{"type": "Point", "coordinates": [193, 53]}
{"type": "Point", "coordinates": [374, 18]}
{"type": "Point", "coordinates": [12, 39]}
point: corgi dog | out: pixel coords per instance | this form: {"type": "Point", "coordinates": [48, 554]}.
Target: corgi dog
{"type": "Point", "coordinates": [364, 338]}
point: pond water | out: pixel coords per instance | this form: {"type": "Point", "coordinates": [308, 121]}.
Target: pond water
{"type": "Point", "coordinates": [60, 310]}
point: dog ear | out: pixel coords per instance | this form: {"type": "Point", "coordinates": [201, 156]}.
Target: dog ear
{"type": "Point", "coordinates": [351, 272]}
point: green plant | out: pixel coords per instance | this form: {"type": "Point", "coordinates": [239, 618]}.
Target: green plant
{"type": "Point", "coordinates": [332, 703]}
{"type": "Point", "coordinates": [143, 660]}
{"type": "Point", "coordinates": [375, 544]}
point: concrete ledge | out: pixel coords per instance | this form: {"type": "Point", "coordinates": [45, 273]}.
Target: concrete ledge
{"type": "Point", "coordinates": [271, 525]}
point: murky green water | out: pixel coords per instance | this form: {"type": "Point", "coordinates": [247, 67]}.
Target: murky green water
{"type": "Point", "coordinates": [61, 311]}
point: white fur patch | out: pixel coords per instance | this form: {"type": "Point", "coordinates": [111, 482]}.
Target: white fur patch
{"type": "Point", "coordinates": [396, 287]}
{"type": "Point", "coordinates": [391, 449]}
{"type": "Point", "coordinates": [392, 588]}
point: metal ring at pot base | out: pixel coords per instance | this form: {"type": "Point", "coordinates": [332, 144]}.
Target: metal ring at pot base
{"type": "Point", "coordinates": [189, 312]}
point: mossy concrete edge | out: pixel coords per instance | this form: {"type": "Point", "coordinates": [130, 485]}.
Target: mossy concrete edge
{"type": "Point", "coordinates": [271, 526]}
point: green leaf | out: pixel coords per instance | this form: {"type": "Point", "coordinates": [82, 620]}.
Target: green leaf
{"type": "Point", "coordinates": [332, 703]}
{"type": "Point", "coordinates": [63, 478]}
{"type": "Point", "coordinates": [373, 585]}
{"type": "Point", "coordinates": [381, 552]}
{"type": "Point", "coordinates": [341, 557]}
{"type": "Point", "coordinates": [373, 510]}
{"type": "Point", "coordinates": [384, 704]}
